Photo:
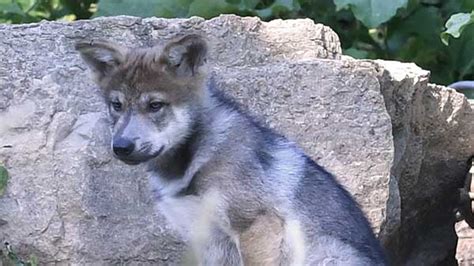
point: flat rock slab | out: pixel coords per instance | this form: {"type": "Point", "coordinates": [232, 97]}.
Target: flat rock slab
{"type": "Point", "coordinates": [334, 110]}
{"type": "Point", "coordinates": [399, 144]}
{"type": "Point", "coordinates": [432, 132]}
{"type": "Point", "coordinates": [68, 201]}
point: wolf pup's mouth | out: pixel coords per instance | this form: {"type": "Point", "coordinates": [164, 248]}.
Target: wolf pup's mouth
{"type": "Point", "coordinates": [135, 160]}
{"type": "Point", "coordinates": [130, 162]}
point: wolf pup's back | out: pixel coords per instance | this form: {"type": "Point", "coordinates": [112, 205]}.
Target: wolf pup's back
{"type": "Point", "coordinates": [237, 191]}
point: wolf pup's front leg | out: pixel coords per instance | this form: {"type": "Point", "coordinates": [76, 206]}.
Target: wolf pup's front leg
{"type": "Point", "coordinates": [203, 223]}
{"type": "Point", "coordinates": [217, 248]}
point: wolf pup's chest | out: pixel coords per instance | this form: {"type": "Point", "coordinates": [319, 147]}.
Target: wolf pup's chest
{"type": "Point", "coordinates": [191, 214]}
{"type": "Point", "coordinates": [180, 212]}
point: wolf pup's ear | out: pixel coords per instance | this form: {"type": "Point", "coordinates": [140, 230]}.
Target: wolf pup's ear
{"type": "Point", "coordinates": [102, 57]}
{"type": "Point", "coordinates": [185, 56]}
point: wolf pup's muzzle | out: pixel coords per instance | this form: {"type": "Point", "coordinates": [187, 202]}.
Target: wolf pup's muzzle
{"type": "Point", "coordinates": [125, 150]}
{"type": "Point", "coordinates": [123, 147]}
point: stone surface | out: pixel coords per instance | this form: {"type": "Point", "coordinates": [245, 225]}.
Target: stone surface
{"type": "Point", "coordinates": [465, 248]}
{"type": "Point", "coordinates": [432, 133]}
{"type": "Point", "coordinates": [334, 110]}
{"type": "Point", "coordinates": [398, 143]}
{"type": "Point", "coordinates": [67, 200]}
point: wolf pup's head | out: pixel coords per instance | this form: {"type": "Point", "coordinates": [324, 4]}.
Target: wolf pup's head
{"type": "Point", "coordinates": [153, 93]}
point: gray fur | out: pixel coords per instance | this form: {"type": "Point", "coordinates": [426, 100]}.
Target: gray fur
{"type": "Point", "coordinates": [231, 186]}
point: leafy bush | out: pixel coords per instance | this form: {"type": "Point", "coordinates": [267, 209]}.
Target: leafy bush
{"type": "Point", "coordinates": [404, 30]}
{"type": "Point", "coordinates": [456, 25]}
{"type": "Point", "coordinates": [9, 258]}
{"type": "Point", "coordinates": [27, 11]}
{"type": "Point", "coordinates": [3, 179]}
{"type": "Point", "coordinates": [7, 255]}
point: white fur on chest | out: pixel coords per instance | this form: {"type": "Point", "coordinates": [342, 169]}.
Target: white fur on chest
{"type": "Point", "coordinates": [192, 216]}
{"type": "Point", "coordinates": [181, 213]}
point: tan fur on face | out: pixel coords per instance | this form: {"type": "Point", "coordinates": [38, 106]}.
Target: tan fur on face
{"type": "Point", "coordinates": [141, 73]}
{"type": "Point", "coordinates": [176, 69]}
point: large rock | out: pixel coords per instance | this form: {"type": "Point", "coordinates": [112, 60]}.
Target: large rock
{"type": "Point", "coordinates": [396, 142]}
{"type": "Point", "coordinates": [67, 200]}
{"type": "Point", "coordinates": [465, 249]}
{"type": "Point", "coordinates": [432, 133]}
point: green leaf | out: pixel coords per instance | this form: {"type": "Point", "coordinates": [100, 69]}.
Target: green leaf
{"type": "Point", "coordinates": [3, 179]}
{"type": "Point", "coordinates": [144, 8]}
{"type": "Point", "coordinates": [455, 25]}
{"type": "Point", "coordinates": [249, 4]}
{"type": "Point", "coordinates": [172, 8]}
{"type": "Point", "coordinates": [188, 8]}
{"type": "Point", "coordinates": [468, 4]}
{"type": "Point", "coordinates": [27, 4]}
{"type": "Point", "coordinates": [6, 6]}
{"type": "Point", "coordinates": [279, 7]}
{"type": "Point", "coordinates": [211, 8]}
{"type": "Point", "coordinates": [424, 25]}
{"type": "Point", "coordinates": [372, 13]}
{"type": "Point", "coordinates": [141, 8]}
{"type": "Point", "coordinates": [33, 261]}
{"type": "Point", "coordinates": [356, 53]}
{"type": "Point", "coordinates": [462, 55]}
{"type": "Point", "coordinates": [12, 258]}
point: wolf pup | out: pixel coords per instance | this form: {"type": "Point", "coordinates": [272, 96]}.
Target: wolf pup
{"type": "Point", "coordinates": [240, 193]}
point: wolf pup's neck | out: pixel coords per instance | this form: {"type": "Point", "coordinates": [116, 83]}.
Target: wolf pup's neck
{"type": "Point", "coordinates": [175, 170]}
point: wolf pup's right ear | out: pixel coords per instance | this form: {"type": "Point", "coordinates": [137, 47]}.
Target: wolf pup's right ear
{"type": "Point", "coordinates": [185, 57]}
{"type": "Point", "coordinates": [102, 57]}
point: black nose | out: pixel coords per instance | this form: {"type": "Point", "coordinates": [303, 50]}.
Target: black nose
{"type": "Point", "coordinates": [123, 147]}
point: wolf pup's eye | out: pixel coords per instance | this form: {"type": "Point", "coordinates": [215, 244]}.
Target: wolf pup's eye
{"type": "Point", "coordinates": [117, 106]}
{"type": "Point", "coordinates": [156, 106]}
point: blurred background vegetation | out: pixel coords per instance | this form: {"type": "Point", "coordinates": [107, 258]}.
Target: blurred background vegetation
{"type": "Point", "coordinates": [404, 30]}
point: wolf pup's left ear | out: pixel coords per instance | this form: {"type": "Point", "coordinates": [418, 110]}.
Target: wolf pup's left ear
{"type": "Point", "coordinates": [185, 56]}
{"type": "Point", "coordinates": [102, 57]}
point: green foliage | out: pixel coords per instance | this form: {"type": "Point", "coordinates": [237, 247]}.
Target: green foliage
{"type": "Point", "coordinates": [3, 179]}
{"type": "Point", "coordinates": [404, 30]}
{"type": "Point", "coordinates": [27, 11]}
{"type": "Point", "coordinates": [411, 35]}
{"type": "Point", "coordinates": [202, 8]}
{"type": "Point", "coordinates": [9, 258]}
{"type": "Point", "coordinates": [372, 12]}
{"type": "Point", "coordinates": [141, 8]}
{"type": "Point", "coordinates": [456, 24]}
